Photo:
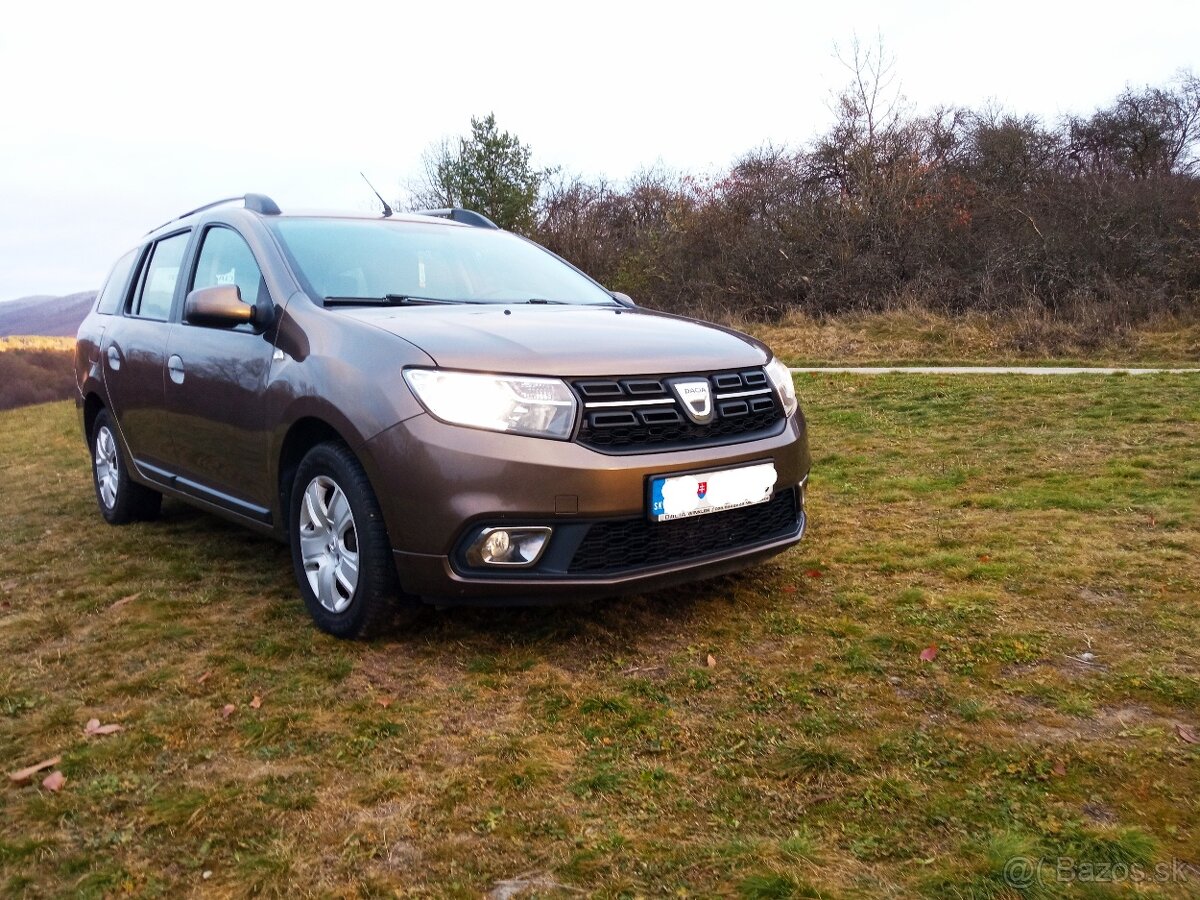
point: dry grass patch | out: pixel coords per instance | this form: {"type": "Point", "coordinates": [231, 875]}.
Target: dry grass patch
{"type": "Point", "coordinates": [916, 335]}
{"type": "Point", "coordinates": [36, 342]}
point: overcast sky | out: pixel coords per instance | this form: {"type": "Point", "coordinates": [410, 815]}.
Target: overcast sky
{"type": "Point", "coordinates": [117, 116]}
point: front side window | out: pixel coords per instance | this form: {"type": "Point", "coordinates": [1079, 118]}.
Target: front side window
{"type": "Point", "coordinates": [225, 258]}
{"type": "Point", "coordinates": [370, 259]}
{"type": "Point", "coordinates": [160, 278]}
{"type": "Point", "coordinates": [112, 298]}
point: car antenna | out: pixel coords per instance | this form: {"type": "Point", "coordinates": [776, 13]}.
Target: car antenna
{"type": "Point", "coordinates": [387, 210]}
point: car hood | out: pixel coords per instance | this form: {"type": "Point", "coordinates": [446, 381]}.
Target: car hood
{"type": "Point", "coordinates": [564, 340]}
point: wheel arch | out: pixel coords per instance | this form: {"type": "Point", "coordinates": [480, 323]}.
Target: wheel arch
{"type": "Point", "coordinates": [92, 404]}
{"type": "Point", "coordinates": [303, 434]}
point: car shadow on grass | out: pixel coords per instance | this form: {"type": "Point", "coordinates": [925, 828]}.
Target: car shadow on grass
{"type": "Point", "coordinates": [575, 634]}
{"type": "Point", "coordinates": [571, 632]}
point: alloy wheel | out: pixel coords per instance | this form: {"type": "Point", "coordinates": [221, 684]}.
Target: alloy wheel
{"type": "Point", "coordinates": [329, 543]}
{"type": "Point", "coordinates": [107, 472]}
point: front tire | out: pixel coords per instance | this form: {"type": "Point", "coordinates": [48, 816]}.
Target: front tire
{"type": "Point", "coordinates": [121, 500]}
{"type": "Point", "coordinates": [341, 553]}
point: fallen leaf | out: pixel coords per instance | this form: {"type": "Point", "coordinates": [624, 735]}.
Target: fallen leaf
{"type": "Point", "coordinates": [203, 678]}
{"type": "Point", "coordinates": [813, 573]}
{"type": "Point", "coordinates": [929, 653]}
{"type": "Point", "coordinates": [1186, 734]}
{"type": "Point", "coordinates": [256, 702]}
{"type": "Point", "coordinates": [711, 662]}
{"type": "Point", "coordinates": [983, 557]}
{"type": "Point", "coordinates": [227, 710]}
{"type": "Point", "coordinates": [385, 702]}
{"type": "Point", "coordinates": [94, 727]}
{"type": "Point", "coordinates": [54, 781]}
{"type": "Point", "coordinates": [790, 589]}
{"type": "Point", "coordinates": [129, 599]}
{"type": "Point", "coordinates": [26, 774]}
{"type": "Point", "coordinates": [1060, 768]}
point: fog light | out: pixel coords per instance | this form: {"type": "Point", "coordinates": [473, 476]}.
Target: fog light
{"type": "Point", "coordinates": [508, 546]}
{"type": "Point", "coordinates": [496, 546]}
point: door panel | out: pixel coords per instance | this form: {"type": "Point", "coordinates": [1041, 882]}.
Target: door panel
{"type": "Point", "coordinates": [133, 353]}
{"type": "Point", "coordinates": [215, 379]}
{"type": "Point", "coordinates": [133, 358]}
{"type": "Point", "coordinates": [214, 397]}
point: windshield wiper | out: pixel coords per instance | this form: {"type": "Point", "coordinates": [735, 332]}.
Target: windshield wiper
{"type": "Point", "coordinates": [542, 301]}
{"type": "Point", "coordinates": [386, 300]}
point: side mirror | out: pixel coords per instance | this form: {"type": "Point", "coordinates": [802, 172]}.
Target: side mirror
{"type": "Point", "coordinates": [623, 299]}
{"type": "Point", "coordinates": [219, 306]}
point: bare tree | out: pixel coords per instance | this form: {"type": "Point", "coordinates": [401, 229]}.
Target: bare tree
{"type": "Point", "coordinates": [1148, 132]}
{"type": "Point", "coordinates": [432, 190]}
{"type": "Point", "coordinates": [873, 99]}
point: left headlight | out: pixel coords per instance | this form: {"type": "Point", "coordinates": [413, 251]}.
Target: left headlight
{"type": "Point", "coordinates": [542, 407]}
{"type": "Point", "coordinates": [784, 386]}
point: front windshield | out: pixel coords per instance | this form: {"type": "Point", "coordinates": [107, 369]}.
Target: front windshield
{"type": "Point", "coordinates": [374, 259]}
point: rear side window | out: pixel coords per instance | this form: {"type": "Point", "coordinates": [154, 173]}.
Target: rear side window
{"type": "Point", "coordinates": [112, 298]}
{"type": "Point", "coordinates": [225, 258]}
{"type": "Point", "coordinates": [160, 277]}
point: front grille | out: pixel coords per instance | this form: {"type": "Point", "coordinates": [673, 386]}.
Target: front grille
{"type": "Point", "coordinates": [638, 415]}
{"type": "Point", "coordinates": [635, 543]}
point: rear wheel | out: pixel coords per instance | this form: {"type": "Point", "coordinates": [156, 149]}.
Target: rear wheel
{"type": "Point", "coordinates": [121, 499]}
{"type": "Point", "coordinates": [340, 549]}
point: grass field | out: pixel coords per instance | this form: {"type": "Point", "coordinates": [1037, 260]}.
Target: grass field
{"type": "Point", "coordinates": [775, 734]}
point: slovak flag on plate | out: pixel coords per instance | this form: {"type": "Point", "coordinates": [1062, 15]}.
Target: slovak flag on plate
{"type": "Point", "coordinates": [702, 489]}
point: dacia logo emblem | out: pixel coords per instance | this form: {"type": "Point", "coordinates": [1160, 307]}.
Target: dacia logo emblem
{"type": "Point", "coordinates": [695, 396]}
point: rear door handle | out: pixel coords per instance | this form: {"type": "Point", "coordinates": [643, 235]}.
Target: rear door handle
{"type": "Point", "coordinates": [175, 368]}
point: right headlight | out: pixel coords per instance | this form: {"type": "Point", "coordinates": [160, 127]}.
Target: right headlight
{"type": "Point", "coordinates": [541, 407]}
{"type": "Point", "coordinates": [781, 378]}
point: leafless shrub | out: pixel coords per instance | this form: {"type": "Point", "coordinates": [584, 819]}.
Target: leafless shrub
{"type": "Point", "coordinates": [1094, 221]}
{"type": "Point", "coordinates": [34, 376]}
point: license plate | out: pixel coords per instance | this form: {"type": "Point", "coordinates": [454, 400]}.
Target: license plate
{"type": "Point", "coordinates": [698, 494]}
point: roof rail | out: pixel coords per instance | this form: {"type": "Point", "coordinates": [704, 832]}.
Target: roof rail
{"type": "Point", "coordinates": [462, 216]}
{"type": "Point", "coordinates": [259, 203]}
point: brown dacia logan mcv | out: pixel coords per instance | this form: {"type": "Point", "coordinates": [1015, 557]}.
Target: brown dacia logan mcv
{"type": "Point", "coordinates": [430, 408]}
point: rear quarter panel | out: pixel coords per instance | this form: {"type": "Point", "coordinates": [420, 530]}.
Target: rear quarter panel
{"type": "Point", "coordinates": [89, 376]}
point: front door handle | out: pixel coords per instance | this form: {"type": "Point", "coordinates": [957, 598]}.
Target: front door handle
{"type": "Point", "coordinates": [175, 368]}
{"type": "Point", "coordinates": [114, 358]}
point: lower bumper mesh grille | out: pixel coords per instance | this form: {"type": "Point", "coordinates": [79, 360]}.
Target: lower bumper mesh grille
{"type": "Point", "coordinates": [635, 543]}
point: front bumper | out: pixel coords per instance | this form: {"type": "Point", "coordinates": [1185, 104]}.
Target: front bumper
{"type": "Point", "coordinates": [439, 483]}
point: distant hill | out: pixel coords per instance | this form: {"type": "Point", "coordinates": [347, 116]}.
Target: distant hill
{"type": "Point", "coordinates": [53, 316]}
